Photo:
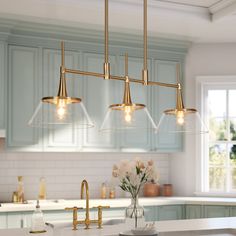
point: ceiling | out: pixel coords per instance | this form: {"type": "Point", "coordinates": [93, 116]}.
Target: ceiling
{"type": "Point", "coordinates": [199, 21]}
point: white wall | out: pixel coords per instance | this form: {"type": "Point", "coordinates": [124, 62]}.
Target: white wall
{"type": "Point", "coordinates": [202, 59]}
{"type": "Point", "coordinates": [65, 171]}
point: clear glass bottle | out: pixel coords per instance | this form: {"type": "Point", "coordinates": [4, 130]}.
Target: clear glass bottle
{"type": "Point", "coordinates": [37, 222]}
{"type": "Point", "coordinates": [20, 190]}
{"type": "Point", "coordinates": [134, 213]}
{"type": "Point", "coordinates": [42, 189]}
{"type": "Point", "coordinates": [103, 191]}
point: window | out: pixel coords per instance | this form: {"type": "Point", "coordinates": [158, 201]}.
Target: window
{"type": "Point", "coordinates": [218, 148]}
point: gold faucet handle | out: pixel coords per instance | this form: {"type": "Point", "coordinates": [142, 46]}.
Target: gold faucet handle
{"type": "Point", "coordinates": [100, 214]}
{"type": "Point", "coordinates": [73, 208]}
{"type": "Point", "coordinates": [75, 215]}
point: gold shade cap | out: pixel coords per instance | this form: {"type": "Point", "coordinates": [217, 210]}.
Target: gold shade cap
{"type": "Point", "coordinates": [54, 100]}
{"type": "Point", "coordinates": [121, 106]}
{"type": "Point", "coordinates": [185, 110]}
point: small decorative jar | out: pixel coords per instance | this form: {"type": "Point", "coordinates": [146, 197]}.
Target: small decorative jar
{"type": "Point", "coordinates": [151, 190]}
{"type": "Point", "coordinates": [167, 190]}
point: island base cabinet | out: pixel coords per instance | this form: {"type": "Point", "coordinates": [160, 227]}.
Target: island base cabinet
{"type": "Point", "coordinates": [175, 212]}
{"type": "Point", "coordinates": [3, 221]}
{"type": "Point", "coordinates": [150, 213]}
{"type": "Point", "coordinates": [194, 212]}
{"type": "Point", "coordinates": [216, 211]}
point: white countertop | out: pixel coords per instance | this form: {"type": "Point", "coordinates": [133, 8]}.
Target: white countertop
{"type": "Point", "coordinates": [116, 203]}
{"type": "Point", "coordinates": [213, 226]}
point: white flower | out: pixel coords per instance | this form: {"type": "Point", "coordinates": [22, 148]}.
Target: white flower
{"type": "Point", "coordinates": [132, 174]}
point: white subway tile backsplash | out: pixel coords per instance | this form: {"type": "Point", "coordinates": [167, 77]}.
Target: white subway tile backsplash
{"type": "Point", "coordinates": [65, 171]}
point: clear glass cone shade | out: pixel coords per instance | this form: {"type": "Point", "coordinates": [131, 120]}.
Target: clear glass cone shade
{"type": "Point", "coordinates": [116, 120]}
{"type": "Point", "coordinates": [189, 123]}
{"type": "Point", "coordinates": [48, 115]}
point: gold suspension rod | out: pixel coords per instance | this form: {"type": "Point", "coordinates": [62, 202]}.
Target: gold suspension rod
{"type": "Point", "coordinates": [145, 69]}
{"type": "Point", "coordinates": [126, 64]}
{"type": "Point", "coordinates": [62, 54]}
{"type": "Point", "coordinates": [106, 65]}
{"type": "Point", "coordinates": [106, 31]}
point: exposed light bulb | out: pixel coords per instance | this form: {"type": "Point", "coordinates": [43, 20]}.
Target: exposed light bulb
{"type": "Point", "coordinates": [128, 113]}
{"type": "Point", "coordinates": [61, 109]}
{"type": "Point", "coordinates": [180, 117]}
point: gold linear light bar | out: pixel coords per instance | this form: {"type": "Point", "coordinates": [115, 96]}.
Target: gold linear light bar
{"type": "Point", "coordinates": [62, 99]}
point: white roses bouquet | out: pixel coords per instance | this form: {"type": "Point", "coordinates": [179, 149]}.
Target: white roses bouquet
{"type": "Point", "coordinates": [133, 174]}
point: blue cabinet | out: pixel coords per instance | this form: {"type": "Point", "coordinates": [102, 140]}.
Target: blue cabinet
{"type": "Point", "coordinates": [171, 212]}
{"type": "Point", "coordinates": [3, 221]}
{"type": "Point", "coordinates": [23, 95]}
{"type": "Point", "coordinates": [97, 95]}
{"type": "Point", "coordinates": [3, 58]}
{"type": "Point", "coordinates": [194, 211]}
{"type": "Point", "coordinates": [150, 213]}
{"type": "Point", "coordinates": [216, 211]}
{"type": "Point", "coordinates": [162, 99]}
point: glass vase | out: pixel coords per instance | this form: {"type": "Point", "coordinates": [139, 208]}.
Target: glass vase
{"type": "Point", "coordinates": [134, 213]}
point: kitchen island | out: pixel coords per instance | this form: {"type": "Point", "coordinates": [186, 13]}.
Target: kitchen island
{"type": "Point", "coordinates": [156, 209]}
{"type": "Point", "coordinates": [214, 226]}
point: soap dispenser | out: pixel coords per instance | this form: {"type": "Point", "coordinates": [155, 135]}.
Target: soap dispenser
{"type": "Point", "coordinates": [37, 223]}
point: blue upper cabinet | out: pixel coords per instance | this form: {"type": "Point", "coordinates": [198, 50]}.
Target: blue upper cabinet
{"type": "Point", "coordinates": [23, 95]}
{"type": "Point", "coordinates": [162, 99]}
{"type": "Point", "coordinates": [3, 58]}
{"type": "Point", "coordinates": [98, 94]}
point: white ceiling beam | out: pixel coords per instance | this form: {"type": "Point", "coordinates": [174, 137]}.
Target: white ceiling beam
{"type": "Point", "coordinates": [222, 9]}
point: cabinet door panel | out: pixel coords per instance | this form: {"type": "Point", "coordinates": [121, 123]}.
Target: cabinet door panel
{"type": "Point", "coordinates": [3, 221]}
{"type": "Point", "coordinates": [233, 211]}
{"type": "Point", "coordinates": [150, 213]}
{"type": "Point", "coordinates": [23, 94]}
{"type": "Point", "coordinates": [216, 211]}
{"type": "Point", "coordinates": [15, 220]}
{"type": "Point", "coordinates": [139, 139]}
{"type": "Point", "coordinates": [165, 98]}
{"type": "Point", "coordinates": [170, 212]}
{"type": "Point", "coordinates": [2, 84]}
{"type": "Point", "coordinates": [193, 212]}
{"type": "Point", "coordinates": [66, 138]}
{"type": "Point", "coordinates": [97, 97]}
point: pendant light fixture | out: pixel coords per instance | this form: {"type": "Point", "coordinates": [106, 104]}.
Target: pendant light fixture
{"type": "Point", "coordinates": [65, 110]}
{"type": "Point", "coordinates": [181, 119]}
{"type": "Point", "coordinates": [61, 110]}
{"type": "Point", "coordinates": [127, 115]}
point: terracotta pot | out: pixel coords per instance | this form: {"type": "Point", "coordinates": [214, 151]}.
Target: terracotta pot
{"type": "Point", "coordinates": [167, 190]}
{"type": "Point", "coordinates": [151, 190]}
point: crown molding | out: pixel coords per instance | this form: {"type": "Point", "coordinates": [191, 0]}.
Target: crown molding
{"type": "Point", "coordinates": [222, 9]}
{"type": "Point", "coordinates": [12, 30]}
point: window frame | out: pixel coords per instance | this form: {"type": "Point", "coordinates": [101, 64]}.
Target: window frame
{"type": "Point", "coordinates": [203, 84]}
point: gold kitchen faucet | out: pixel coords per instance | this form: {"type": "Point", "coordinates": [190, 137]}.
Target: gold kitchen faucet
{"type": "Point", "coordinates": [87, 221]}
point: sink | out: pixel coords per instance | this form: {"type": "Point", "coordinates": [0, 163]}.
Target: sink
{"type": "Point", "coordinates": [68, 223]}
